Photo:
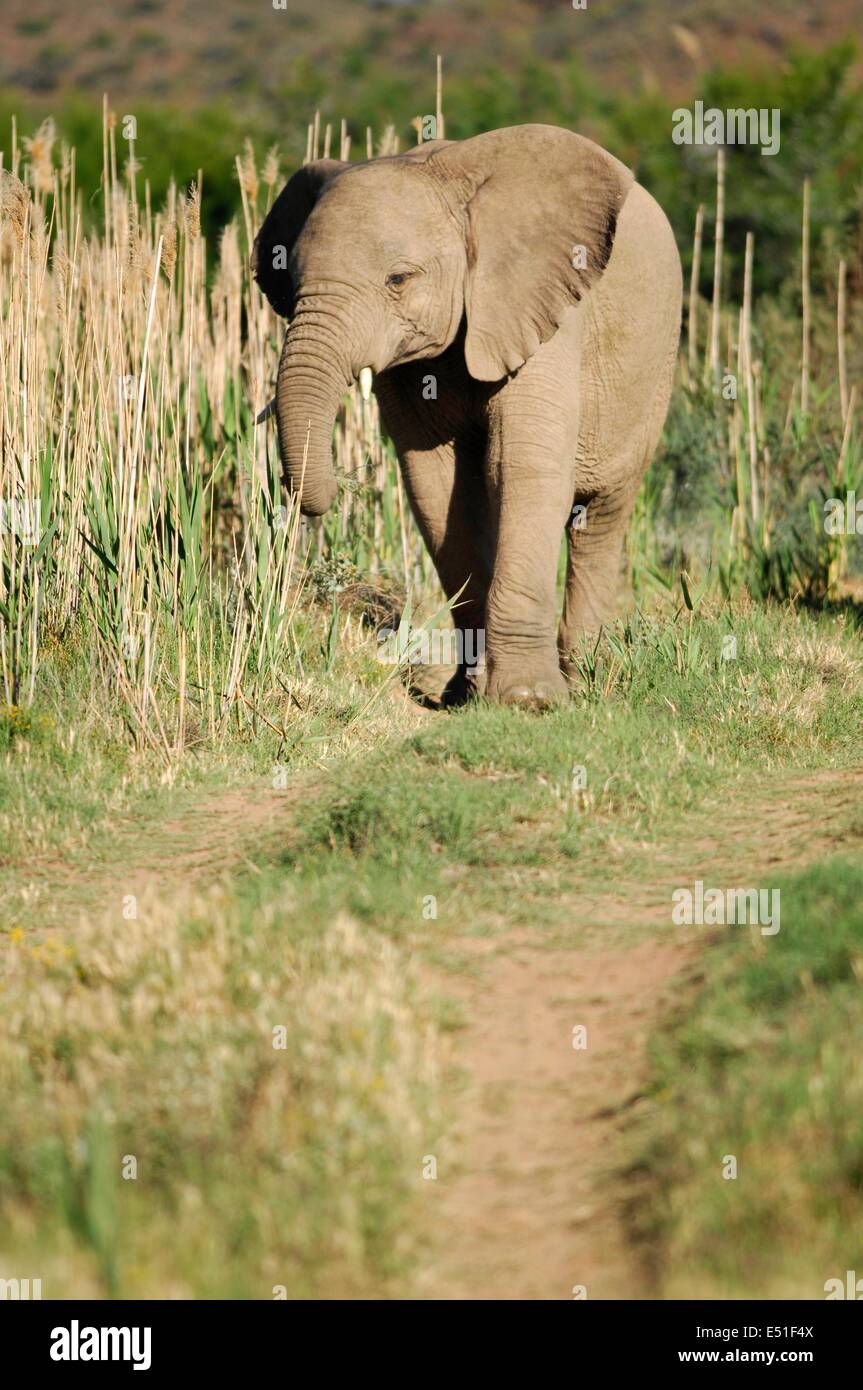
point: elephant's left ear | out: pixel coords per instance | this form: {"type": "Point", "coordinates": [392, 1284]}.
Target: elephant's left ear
{"type": "Point", "coordinates": [283, 224]}
{"type": "Point", "coordinates": [541, 207]}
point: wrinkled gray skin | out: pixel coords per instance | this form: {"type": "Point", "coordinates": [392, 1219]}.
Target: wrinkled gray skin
{"type": "Point", "coordinates": [540, 286]}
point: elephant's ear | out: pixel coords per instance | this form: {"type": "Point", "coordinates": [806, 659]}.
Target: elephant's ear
{"type": "Point", "coordinates": [541, 207]}
{"type": "Point", "coordinates": [282, 225]}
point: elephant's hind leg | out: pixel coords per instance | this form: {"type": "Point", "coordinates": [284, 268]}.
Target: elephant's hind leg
{"type": "Point", "coordinates": [593, 568]}
{"type": "Point", "coordinates": [595, 546]}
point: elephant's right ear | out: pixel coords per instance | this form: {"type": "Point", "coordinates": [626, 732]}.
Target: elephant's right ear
{"type": "Point", "coordinates": [283, 224]}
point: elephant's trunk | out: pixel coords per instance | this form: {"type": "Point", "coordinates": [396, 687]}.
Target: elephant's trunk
{"type": "Point", "coordinates": [314, 372]}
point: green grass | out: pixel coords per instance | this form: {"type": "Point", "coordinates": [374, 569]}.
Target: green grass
{"type": "Point", "coordinates": [765, 1065]}
{"type": "Point", "coordinates": [263, 1158]}
{"type": "Point", "coordinates": [659, 720]}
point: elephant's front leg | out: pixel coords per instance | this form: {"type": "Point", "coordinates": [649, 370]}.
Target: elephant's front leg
{"type": "Point", "coordinates": [447, 494]}
{"type": "Point", "coordinates": [522, 662]}
{"type": "Point", "coordinates": [533, 427]}
{"type": "Point", "coordinates": [531, 481]}
{"type": "Point", "coordinates": [441, 450]}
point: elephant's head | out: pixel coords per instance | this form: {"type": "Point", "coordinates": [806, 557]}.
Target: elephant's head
{"type": "Point", "coordinates": [376, 264]}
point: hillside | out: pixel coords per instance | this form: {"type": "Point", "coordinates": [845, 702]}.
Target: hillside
{"type": "Point", "coordinates": [248, 53]}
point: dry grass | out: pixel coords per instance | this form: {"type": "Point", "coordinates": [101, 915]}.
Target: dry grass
{"type": "Point", "coordinates": [129, 397]}
{"type": "Point", "coordinates": [216, 1101]}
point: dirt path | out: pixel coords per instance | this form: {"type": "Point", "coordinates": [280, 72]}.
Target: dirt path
{"type": "Point", "coordinates": [532, 1205]}
{"type": "Point", "coordinates": [527, 1213]}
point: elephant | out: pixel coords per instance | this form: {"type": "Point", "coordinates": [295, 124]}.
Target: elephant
{"type": "Point", "coordinates": [517, 296]}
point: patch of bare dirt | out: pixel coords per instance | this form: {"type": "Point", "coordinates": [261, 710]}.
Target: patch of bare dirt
{"type": "Point", "coordinates": [527, 1213]}
{"type": "Point", "coordinates": [211, 840]}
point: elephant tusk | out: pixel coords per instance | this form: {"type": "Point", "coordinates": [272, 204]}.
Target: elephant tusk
{"type": "Point", "coordinates": [267, 411]}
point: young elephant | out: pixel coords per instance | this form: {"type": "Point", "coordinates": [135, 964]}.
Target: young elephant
{"type": "Point", "coordinates": [517, 296]}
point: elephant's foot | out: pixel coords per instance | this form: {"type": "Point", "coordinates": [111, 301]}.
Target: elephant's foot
{"type": "Point", "coordinates": [526, 690]}
{"type": "Point", "coordinates": [462, 687]}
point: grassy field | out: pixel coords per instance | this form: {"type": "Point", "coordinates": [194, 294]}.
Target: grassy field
{"type": "Point", "coordinates": [290, 966]}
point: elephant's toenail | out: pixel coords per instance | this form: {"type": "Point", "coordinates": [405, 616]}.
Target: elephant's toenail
{"type": "Point", "coordinates": [550, 694]}
{"type": "Point", "coordinates": [517, 695]}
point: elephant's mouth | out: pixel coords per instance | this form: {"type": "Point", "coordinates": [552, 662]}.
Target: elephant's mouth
{"type": "Point", "coordinates": [402, 352]}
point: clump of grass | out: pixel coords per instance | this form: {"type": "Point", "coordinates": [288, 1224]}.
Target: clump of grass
{"type": "Point", "coordinates": [17, 723]}
{"type": "Point", "coordinates": [214, 1101]}
{"type": "Point", "coordinates": [753, 453]}
{"type": "Point", "coordinates": [762, 1066]}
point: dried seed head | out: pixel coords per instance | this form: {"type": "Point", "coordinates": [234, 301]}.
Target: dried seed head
{"type": "Point", "coordinates": [169, 248]}
{"type": "Point", "coordinates": [247, 172]}
{"type": "Point", "coordinates": [38, 235]}
{"type": "Point", "coordinates": [65, 272]}
{"type": "Point", "coordinates": [192, 212]}
{"type": "Point", "coordinates": [13, 207]}
{"type": "Point", "coordinates": [229, 258]}
{"type": "Point", "coordinates": [136, 268]}
{"type": "Point", "coordinates": [39, 147]}
{"type": "Point", "coordinates": [270, 172]}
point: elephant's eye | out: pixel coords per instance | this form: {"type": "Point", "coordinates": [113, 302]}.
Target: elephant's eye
{"type": "Point", "coordinates": [399, 277]}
